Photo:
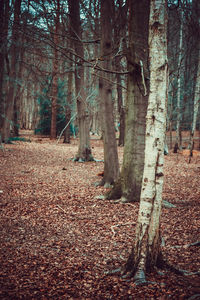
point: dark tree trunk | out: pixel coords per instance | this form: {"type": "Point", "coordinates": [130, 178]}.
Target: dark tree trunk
{"type": "Point", "coordinates": [128, 187]}
{"type": "Point", "coordinates": [55, 74]}
{"type": "Point", "coordinates": [111, 165]}
{"type": "Point", "coordinates": [84, 150]}
{"type": "Point", "coordinates": [4, 9]}
{"type": "Point", "coordinates": [121, 112]}
{"type": "Point", "coordinates": [8, 120]}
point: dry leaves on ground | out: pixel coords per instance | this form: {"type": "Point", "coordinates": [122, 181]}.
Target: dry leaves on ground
{"type": "Point", "coordinates": [58, 240]}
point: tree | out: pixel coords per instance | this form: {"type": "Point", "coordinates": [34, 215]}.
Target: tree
{"type": "Point", "coordinates": [178, 106]}
{"type": "Point", "coordinates": [196, 23]}
{"type": "Point", "coordinates": [111, 164]}
{"type": "Point", "coordinates": [13, 73]}
{"type": "Point", "coordinates": [120, 32]}
{"type": "Point", "coordinates": [68, 106]}
{"type": "Point", "coordinates": [196, 106]}
{"type": "Point", "coordinates": [84, 151]}
{"type": "Point", "coordinates": [146, 251]}
{"type": "Point", "coordinates": [128, 186]}
{"type": "Point", "coordinates": [4, 10]}
{"type": "Point", "coordinates": [55, 73]}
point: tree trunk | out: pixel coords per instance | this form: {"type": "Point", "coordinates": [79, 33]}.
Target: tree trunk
{"type": "Point", "coordinates": [128, 187]}
{"type": "Point", "coordinates": [111, 164]}
{"type": "Point", "coordinates": [67, 119]}
{"type": "Point", "coordinates": [178, 120]}
{"type": "Point", "coordinates": [196, 105]}
{"type": "Point", "coordinates": [4, 9]}
{"type": "Point", "coordinates": [196, 11]}
{"type": "Point", "coordinates": [68, 105]}
{"type": "Point", "coordinates": [146, 251]}
{"type": "Point", "coordinates": [120, 108]}
{"type": "Point", "coordinates": [120, 29]}
{"type": "Point", "coordinates": [20, 88]}
{"type": "Point", "coordinates": [8, 120]}
{"type": "Point", "coordinates": [84, 150]}
{"type": "Point", "coordinates": [55, 75]}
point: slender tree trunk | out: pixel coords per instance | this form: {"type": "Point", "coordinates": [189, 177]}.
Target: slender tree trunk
{"type": "Point", "coordinates": [8, 120]}
{"type": "Point", "coordinates": [68, 106]}
{"type": "Point", "coordinates": [19, 90]}
{"type": "Point", "coordinates": [68, 110]}
{"type": "Point", "coordinates": [4, 10]}
{"type": "Point", "coordinates": [84, 150]}
{"type": "Point", "coordinates": [170, 112]}
{"type": "Point", "coordinates": [128, 187]}
{"type": "Point", "coordinates": [120, 29]}
{"type": "Point", "coordinates": [120, 108]}
{"type": "Point", "coordinates": [195, 15]}
{"type": "Point", "coordinates": [111, 164]}
{"type": "Point", "coordinates": [178, 120]}
{"type": "Point", "coordinates": [146, 250]}
{"type": "Point", "coordinates": [55, 75]}
{"type": "Point", "coordinates": [196, 105]}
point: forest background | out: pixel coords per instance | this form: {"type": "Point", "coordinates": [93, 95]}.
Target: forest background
{"type": "Point", "coordinates": [100, 69]}
{"type": "Point", "coordinates": [46, 48]}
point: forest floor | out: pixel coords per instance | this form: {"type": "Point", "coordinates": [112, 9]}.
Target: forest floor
{"type": "Point", "coordinates": [58, 240]}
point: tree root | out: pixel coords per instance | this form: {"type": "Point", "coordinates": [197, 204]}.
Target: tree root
{"type": "Point", "coordinates": [139, 277]}
{"type": "Point", "coordinates": [193, 297]}
{"type": "Point", "coordinates": [187, 245]}
{"type": "Point", "coordinates": [117, 225]}
{"type": "Point", "coordinates": [165, 265]}
{"type": "Point", "coordinates": [114, 271]}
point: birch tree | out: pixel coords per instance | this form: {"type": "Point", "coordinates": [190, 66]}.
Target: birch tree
{"type": "Point", "coordinates": [146, 250]}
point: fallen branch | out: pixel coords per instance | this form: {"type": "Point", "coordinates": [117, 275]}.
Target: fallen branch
{"type": "Point", "coordinates": [117, 225]}
{"type": "Point", "coordinates": [66, 126]}
{"type": "Point", "coordinates": [61, 208]}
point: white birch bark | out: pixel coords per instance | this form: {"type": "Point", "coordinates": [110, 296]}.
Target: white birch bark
{"type": "Point", "coordinates": [146, 250]}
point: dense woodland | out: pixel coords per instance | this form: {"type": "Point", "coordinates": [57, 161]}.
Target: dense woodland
{"type": "Point", "coordinates": [49, 49]}
{"type": "Point", "coordinates": [121, 73]}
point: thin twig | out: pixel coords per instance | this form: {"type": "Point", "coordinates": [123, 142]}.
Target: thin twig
{"type": "Point", "coordinates": [61, 208]}
{"type": "Point", "coordinates": [66, 127]}
{"type": "Point", "coordinates": [117, 225]}
{"type": "Point", "coordinates": [143, 80]}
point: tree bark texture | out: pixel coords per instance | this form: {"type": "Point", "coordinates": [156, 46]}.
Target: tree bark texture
{"type": "Point", "coordinates": [8, 119]}
{"type": "Point", "coordinates": [68, 102]}
{"type": "Point", "coordinates": [120, 106]}
{"type": "Point", "coordinates": [55, 74]}
{"type": "Point", "coordinates": [111, 164]}
{"type": "Point", "coordinates": [128, 187]}
{"type": "Point", "coordinates": [146, 250]}
{"type": "Point", "coordinates": [4, 9]}
{"type": "Point", "coordinates": [196, 12]}
{"type": "Point", "coordinates": [120, 29]}
{"type": "Point", "coordinates": [178, 108]}
{"type": "Point", "coordinates": [84, 150]}
{"type": "Point", "coordinates": [196, 105]}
